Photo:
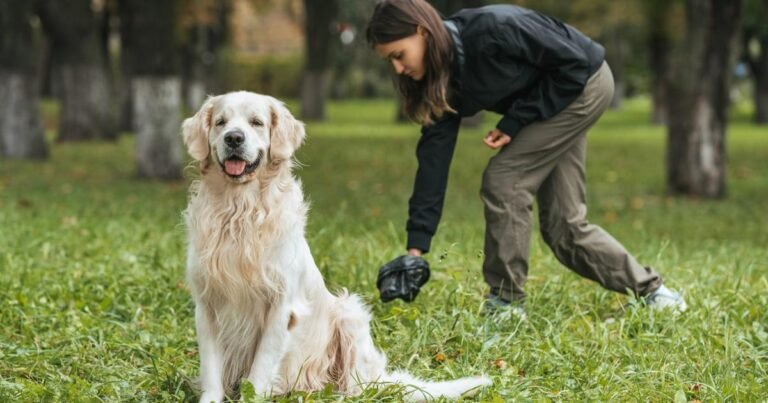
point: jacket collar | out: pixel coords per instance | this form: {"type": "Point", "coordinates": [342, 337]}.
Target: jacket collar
{"type": "Point", "coordinates": [457, 66]}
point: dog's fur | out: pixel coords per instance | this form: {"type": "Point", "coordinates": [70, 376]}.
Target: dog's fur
{"type": "Point", "coordinates": [262, 310]}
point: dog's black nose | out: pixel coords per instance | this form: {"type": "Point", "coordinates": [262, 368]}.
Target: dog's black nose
{"type": "Point", "coordinates": [234, 138]}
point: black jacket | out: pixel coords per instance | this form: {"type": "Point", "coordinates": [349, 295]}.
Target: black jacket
{"type": "Point", "coordinates": [507, 59]}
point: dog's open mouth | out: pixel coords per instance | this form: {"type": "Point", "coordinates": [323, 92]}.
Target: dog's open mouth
{"type": "Point", "coordinates": [236, 167]}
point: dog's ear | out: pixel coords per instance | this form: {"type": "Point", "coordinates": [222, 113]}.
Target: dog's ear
{"type": "Point", "coordinates": [195, 131]}
{"type": "Point", "coordinates": [286, 133]}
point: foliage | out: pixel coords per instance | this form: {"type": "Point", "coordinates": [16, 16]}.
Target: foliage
{"type": "Point", "coordinates": [357, 72]}
{"type": "Point", "coordinates": [276, 75]}
{"type": "Point", "coordinates": [755, 12]}
{"type": "Point", "coordinates": [93, 304]}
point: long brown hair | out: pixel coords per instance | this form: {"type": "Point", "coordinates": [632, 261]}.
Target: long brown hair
{"type": "Point", "coordinates": [392, 20]}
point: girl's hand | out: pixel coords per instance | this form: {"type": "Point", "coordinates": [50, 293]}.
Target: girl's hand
{"type": "Point", "coordinates": [414, 252]}
{"type": "Point", "coordinates": [496, 139]}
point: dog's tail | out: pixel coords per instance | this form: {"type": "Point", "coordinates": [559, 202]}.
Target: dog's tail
{"type": "Point", "coordinates": [418, 390]}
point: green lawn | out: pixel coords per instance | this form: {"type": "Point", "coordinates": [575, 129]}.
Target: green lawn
{"type": "Point", "coordinates": [93, 305]}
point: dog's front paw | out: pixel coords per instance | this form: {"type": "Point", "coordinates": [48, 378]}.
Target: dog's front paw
{"type": "Point", "coordinates": [209, 397]}
{"type": "Point", "coordinates": [261, 387]}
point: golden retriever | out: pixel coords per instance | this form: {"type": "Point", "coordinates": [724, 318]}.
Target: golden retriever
{"type": "Point", "coordinates": [262, 310]}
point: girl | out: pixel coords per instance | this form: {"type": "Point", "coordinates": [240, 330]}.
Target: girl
{"type": "Point", "coordinates": [550, 84]}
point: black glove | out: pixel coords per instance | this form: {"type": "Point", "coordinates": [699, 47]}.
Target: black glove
{"type": "Point", "coordinates": [402, 278]}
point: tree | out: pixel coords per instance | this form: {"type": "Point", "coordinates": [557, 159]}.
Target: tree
{"type": "Point", "coordinates": [156, 86]}
{"type": "Point", "coordinates": [319, 16]}
{"type": "Point", "coordinates": [125, 85]}
{"type": "Point", "coordinates": [698, 98]}
{"type": "Point", "coordinates": [756, 54]}
{"type": "Point", "coordinates": [205, 26]}
{"type": "Point", "coordinates": [662, 17]}
{"type": "Point", "coordinates": [656, 15]}
{"type": "Point", "coordinates": [80, 73]}
{"type": "Point", "coordinates": [21, 133]}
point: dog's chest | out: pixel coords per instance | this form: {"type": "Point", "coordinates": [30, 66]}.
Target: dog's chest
{"type": "Point", "coordinates": [237, 254]}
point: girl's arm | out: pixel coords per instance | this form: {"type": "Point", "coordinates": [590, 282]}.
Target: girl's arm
{"type": "Point", "coordinates": [434, 153]}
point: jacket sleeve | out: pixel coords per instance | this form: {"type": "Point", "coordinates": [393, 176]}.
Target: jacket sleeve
{"type": "Point", "coordinates": [434, 153]}
{"type": "Point", "coordinates": [565, 68]}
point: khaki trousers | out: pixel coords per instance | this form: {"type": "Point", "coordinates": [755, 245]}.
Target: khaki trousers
{"type": "Point", "coordinates": [546, 161]}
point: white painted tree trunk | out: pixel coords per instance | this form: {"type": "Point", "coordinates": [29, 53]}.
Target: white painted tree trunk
{"type": "Point", "coordinates": [157, 105]}
{"type": "Point", "coordinates": [707, 138]}
{"type": "Point", "coordinates": [21, 132]}
{"type": "Point", "coordinates": [195, 95]}
{"type": "Point", "coordinates": [698, 99]}
{"type": "Point", "coordinates": [313, 90]}
{"type": "Point", "coordinates": [87, 110]}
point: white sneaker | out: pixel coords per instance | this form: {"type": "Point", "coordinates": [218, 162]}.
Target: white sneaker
{"type": "Point", "coordinates": [495, 305]}
{"type": "Point", "coordinates": [664, 298]}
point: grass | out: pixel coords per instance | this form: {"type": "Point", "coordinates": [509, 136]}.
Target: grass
{"type": "Point", "coordinates": [93, 305]}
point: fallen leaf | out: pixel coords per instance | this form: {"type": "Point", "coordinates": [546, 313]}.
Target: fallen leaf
{"type": "Point", "coordinates": [500, 364]}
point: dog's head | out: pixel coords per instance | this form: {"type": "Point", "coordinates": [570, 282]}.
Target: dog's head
{"type": "Point", "coordinates": [242, 133]}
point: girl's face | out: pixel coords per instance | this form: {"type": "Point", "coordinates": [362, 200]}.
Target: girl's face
{"type": "Point", "coordinates": [406, 55]}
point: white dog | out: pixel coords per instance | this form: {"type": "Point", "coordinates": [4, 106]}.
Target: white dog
{"type": "Point", "coordinates": [262, 309]}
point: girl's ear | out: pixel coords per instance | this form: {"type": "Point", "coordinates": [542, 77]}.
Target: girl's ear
{"type": "Point", "coordinates": [421, 31]}
{"type": "Point", "coordinates": [195, 131]}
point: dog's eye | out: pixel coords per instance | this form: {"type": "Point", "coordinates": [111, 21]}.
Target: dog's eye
{"type": "Point", "coordinates": [221, 122]}
{"type": "Point", "coordinates": [256, 122]}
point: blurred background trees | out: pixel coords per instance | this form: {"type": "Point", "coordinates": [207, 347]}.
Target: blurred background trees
{"type": "Point", "coordinates": [319, 30]}
{"type": "Point", "coordinates": [21, 133]}
{"type": "Point", "coordinates": [700, 96]}
{"type": "Point", "coordinates": [755, 53]}
{"type": "Point", "coordinates": [156, 86]}
{"type": "Point", "coordinates": [77, 58]}
{"type": "Point", "coordinates": [137, 66]}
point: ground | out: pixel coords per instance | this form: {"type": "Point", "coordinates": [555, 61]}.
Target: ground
{"type": "Point", "coordinates": [93, 304]}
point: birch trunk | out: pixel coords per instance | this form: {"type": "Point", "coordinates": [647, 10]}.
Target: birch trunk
{"type": "Point", "coordinates": [157, 102]}
{"type": "Point", "coordinates": [698, 99]}
{"type": "Point", "coordinates": [21, 133]}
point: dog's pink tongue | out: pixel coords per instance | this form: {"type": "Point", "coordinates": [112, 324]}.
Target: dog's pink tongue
{"type": "Point", "coordinates": [234, 167]}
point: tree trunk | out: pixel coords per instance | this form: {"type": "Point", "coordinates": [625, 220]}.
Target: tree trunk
{"type": "Point", "coordinates": [194, 94]}
{"type": "Point", "coordinates": [21, 132]}
{"type": "Point", "coordinates": [615, 57]}
{"type": "Point", "coordinates": [759, 68]}
{"type": "Point", "coordinates": [20, 129]}
{"type": "Point", "coordinates": [158, 151]}
{"type": "Point", "coordinates": [205, 36]}
{"type": "Point", "coordinates": [86, 102]}
{"type": "Point", "coordinates": [192, 74]}
{"type": "Point", "coordinates": [761, 99]}
{"type": "Point", "coordinates": [80, 74]}
{"type": "Point", "coordinates": [156, 88]}
{"type": "Point", "coordinates": [698, 102]}
{"type": "Point", "coordinates": [319, 16]}
{"type": "Point", "coordinates": [659, 85]}
{"type": "Point", "coordinates": [313, 89]}
{"type": "Point", "coordinates": [125, 98]}
{"type": "Point", "coordinates": [659, 42]}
